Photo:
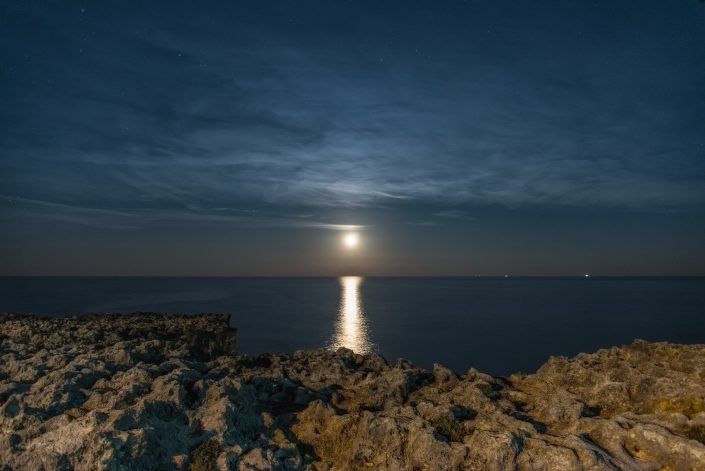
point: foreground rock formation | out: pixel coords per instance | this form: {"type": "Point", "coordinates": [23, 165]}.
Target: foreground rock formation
{"type": "Point", "coordinates": [146, 392]}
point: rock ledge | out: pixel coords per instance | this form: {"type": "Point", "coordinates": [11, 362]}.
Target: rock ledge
{"type": "Point", "coordinates": [147, 391]}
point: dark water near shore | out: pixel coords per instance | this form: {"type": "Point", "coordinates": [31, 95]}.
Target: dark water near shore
{"type": "Point", "coordinates": [497, 325]}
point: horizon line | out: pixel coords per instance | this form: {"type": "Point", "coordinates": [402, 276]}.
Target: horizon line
{"type": "Point", "coordinates": [503, 276]}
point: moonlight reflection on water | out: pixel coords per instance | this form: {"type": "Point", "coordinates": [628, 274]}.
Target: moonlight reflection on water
{"type": "Point", "coordinates": [351, 328]}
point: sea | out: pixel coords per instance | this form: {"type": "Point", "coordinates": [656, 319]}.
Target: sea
{"type": "Point", "coordinates": [496, 325]}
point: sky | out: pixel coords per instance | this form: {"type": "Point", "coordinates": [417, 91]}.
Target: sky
{"type": "Point", "coordinates": [247, 138]}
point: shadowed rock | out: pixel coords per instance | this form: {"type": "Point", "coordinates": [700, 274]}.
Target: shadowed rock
{"type": "Point", "coordinates": [148, 391]}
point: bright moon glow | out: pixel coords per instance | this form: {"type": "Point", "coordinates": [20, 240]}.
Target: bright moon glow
{"type": "Point", "coordinates": [351, 240]}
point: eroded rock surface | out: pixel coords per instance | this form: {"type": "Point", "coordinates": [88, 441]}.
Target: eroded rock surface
{"type": "Point", "coordinates": [146, 391]}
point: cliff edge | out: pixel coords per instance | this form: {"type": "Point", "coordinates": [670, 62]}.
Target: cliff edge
{"type": "Point", "coordinates": [148, 391]}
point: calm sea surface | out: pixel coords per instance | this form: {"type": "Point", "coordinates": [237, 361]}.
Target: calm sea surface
{"type": "Point", "coordinates": [497, 325]}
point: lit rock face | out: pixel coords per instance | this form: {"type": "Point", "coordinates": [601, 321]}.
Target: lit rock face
{"type": "Point", "coordinates": [145, 392]}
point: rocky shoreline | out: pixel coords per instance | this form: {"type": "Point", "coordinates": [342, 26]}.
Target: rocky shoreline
{"type": "Point", "coordinates": [149, 391]}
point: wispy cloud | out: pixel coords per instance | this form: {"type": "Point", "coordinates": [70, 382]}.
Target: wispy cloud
{"type": "Point", "coordinates": [248, 118]}
{"type": "Point", "coordinates": [423, 223]}
{"type": "Point", "coordinates": [453, 214]}
{"type": "Point", "coordinates": [19, 208]}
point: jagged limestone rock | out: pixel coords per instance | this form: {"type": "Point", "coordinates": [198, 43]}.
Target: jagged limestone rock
{"type": "Point", "coordinates": [149, 391]}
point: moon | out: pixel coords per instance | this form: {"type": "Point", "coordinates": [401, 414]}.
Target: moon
{"type": "Point", "coordinates": [351, 240]}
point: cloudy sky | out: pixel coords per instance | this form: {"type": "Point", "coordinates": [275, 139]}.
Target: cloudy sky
{"type": "Point", "coordinates": [458, 138]}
